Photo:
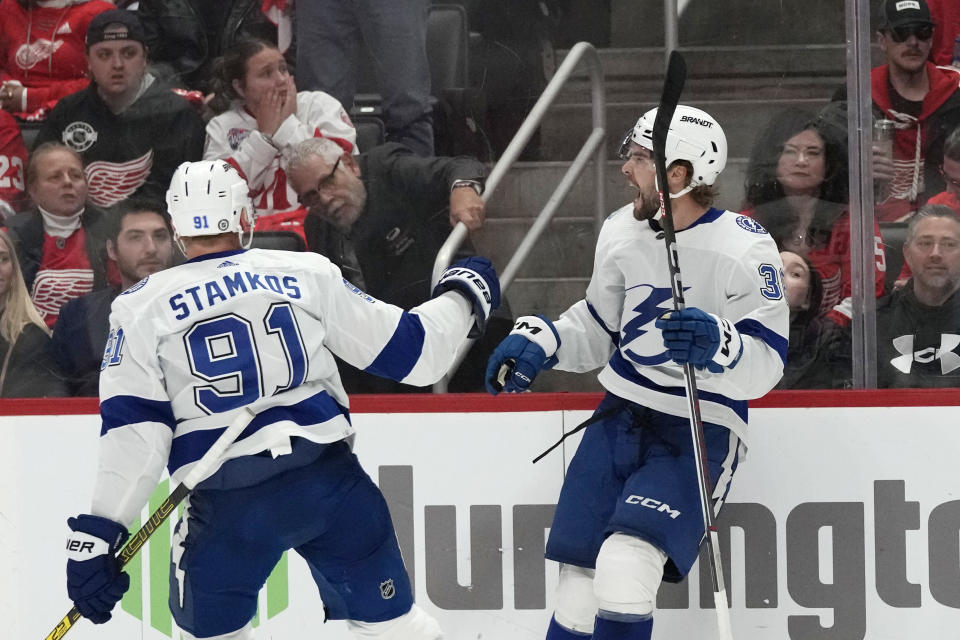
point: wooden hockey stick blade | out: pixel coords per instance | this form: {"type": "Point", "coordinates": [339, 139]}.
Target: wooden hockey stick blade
{"type": "Point", "coordinates": [198, 473]}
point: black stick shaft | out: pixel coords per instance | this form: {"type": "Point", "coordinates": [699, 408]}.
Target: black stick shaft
{"type": "Point", "coordinates": [672, 88]}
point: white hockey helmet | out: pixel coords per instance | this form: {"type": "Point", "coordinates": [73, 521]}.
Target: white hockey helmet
{"type": "Point", "coordinates": [208, 198]}
{"type": "Point", "coordinates": [693, 136]}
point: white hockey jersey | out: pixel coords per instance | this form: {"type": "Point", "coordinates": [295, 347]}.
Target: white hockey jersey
{"type": "Point", "coordinates": [233, 136]}
{"type": "Point", "coordinates": [191, 345]}
{"type": "Point", "coordinates": [730, 267]}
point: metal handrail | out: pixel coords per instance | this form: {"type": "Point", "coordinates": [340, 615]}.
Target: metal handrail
{"type": "Point", "coordinates": [593, 145]}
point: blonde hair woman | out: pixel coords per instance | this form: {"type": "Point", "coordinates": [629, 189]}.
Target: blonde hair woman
{"type": "Point", "coordinates": [26, 369]}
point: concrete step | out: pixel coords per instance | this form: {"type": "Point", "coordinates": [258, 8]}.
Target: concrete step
{"type": "Point", "coordinates": [526, 187]}
{"type": "Point", "coordinates": [741, 121]}
{"type": "Point", "coordinates": [760, 72]}
{"type": "Point", "coordinates": [706, 22]}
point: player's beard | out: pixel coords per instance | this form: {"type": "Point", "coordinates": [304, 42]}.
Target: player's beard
{"type": "Point", "coordinates": [646, 204]}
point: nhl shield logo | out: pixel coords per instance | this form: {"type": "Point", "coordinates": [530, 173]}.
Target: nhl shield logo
{"type": "Point", "coordinates": [79, 136]}
{"type": "Point", "coordinates": [387, 590]}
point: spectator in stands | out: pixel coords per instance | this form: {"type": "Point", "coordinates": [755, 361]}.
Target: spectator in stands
{"type": "Point", "coordinates": [266, 119]}
{"type": "Point", "coordinates": [184, 37]}
{"type": "Point", "coordinates": [13, 159]}
{"type": "Point", "coordinates": [923, 101]}
{"type": "Point", "coordinates": [946, 16]}
{"type": "Point", "coordinates": [918, 326]}
{"type": "Point", "coordinates": [330, 35]}
{"type": "Point", "coordinates": [26, 370]}
{"type": "Point", "coordinates": [61, 243]}
{"type": "Point", "coordinates": [809, 332]}
{"type": "Point", "coordinates": [130, 129]}
{"type": "Point", "coordinates": [382, 216]}
{"type": "Point", "coordinates": [796, 187]}
{"type": "Point", "coordinates": [141, 243]}
{"type": "Point", "coordinates": [950, 171]}
{"type": "Point", "coordinates": [41, 52]}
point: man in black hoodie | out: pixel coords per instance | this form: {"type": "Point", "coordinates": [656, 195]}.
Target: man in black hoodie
{"type": "Point", "coordinates": [918, 326]}
{"type": "Point", "coordinates": [130, 129]}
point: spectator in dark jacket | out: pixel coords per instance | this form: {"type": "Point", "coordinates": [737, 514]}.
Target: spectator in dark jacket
{"type": "Point", "coordinates": [141, 243]}
{"type": "Point", "coordinates": [26, 369]}
{"type": "Point", "coordinates": [61, 243]}
{"type": "Point", "coordinates": [382, 216]}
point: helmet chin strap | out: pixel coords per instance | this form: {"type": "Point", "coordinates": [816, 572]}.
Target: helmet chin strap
{"type": "Point", "coordinates": [251, 219]}
{"type": "Point", "coordinates": [682, 192]}
{"type": "Point", "coordinates": [179, 241]}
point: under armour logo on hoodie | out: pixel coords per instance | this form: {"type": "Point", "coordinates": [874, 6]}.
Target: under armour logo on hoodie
{"type": "Point", "coordinates": [945, 354]}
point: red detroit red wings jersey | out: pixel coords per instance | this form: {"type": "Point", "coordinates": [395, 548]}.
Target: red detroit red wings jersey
{"type": "Point", "coordinates": [43, 48]}
{"type": "Point", "coordinates": [64, 274]}
{"type": "Point", "coordinates": [13, 159]}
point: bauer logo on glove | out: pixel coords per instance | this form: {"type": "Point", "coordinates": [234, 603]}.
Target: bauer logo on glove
{"type": "Point", "coordinates": [476, 279]}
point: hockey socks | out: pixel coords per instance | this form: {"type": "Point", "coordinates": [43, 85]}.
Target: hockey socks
{"type": "Point", "coordinates": [621, 626]}
{"type": "Point", "coordinates": [557, 632]}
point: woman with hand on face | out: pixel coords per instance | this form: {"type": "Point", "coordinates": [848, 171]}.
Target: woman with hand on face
{"type": "Point", "coordinates": [26, 369]}
{"type": "Point", "coordinates": [265, 118]}
{"type": "Point", "coordinates": [797, 189]}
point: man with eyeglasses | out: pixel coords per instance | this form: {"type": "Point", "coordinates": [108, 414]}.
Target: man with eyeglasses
{"type": "Point", "coordinates": [382, 216]}
{"type": "Point", "coordinates": [920, 98]}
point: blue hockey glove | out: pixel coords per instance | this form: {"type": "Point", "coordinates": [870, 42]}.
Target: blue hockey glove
{"type": "Point", "coordinates": [700, 338]}
{"type": "Point", "coordinates": [477, 279]}
{"type": "Point", "coordinates": [94, 580]}
{"type": "Point", "coordinates": [522, 355]}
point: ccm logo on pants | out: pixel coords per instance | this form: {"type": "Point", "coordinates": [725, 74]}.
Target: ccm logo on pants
{"type": "Point", "coordinates": [656, 505]}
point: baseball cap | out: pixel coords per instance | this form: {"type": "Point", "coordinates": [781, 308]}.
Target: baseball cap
{"type": "Point", "coordinates": [133, 30]}
{"type": "Point", "coordinates": [900, 13]}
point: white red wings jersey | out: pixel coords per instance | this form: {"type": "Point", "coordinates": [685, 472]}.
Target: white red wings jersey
{"type": "Point", "coordinates": [233, 136]}
{"type": "Point", "coordinates": [190, 346]}
{"type": "Point", "coordinates": [730, 267]}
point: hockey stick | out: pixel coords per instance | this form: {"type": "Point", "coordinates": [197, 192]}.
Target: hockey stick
{"type": "Point", "coordinates": [672, 88]}
{"type": "Point", "coordinates": [199, 472]}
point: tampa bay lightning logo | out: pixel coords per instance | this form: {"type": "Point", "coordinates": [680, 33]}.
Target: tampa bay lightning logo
{"type": "Point", "coordinates": [637, 342]}
{"type": "Point", "coordinates": [748, 223]}
{"type": "Point", "coordinates": [136, 287]}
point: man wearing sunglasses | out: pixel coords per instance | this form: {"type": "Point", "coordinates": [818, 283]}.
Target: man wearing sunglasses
{"type": "Point", "coordinates": [920, 98]}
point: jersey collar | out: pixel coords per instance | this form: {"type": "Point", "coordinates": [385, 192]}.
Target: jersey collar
{"type": "Point", "coordinates": [215, 256]}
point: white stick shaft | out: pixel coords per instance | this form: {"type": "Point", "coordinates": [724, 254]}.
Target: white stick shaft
{"type": "Point", "coordinates": [203, 466]}
{"type": "Point", "coordinates": [723, 615]}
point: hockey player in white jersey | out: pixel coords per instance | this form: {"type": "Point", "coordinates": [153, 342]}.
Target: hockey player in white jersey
{"type": "Point", "coordinates": [629, 512]}
{"type": "Point", "coordinates": [233, 330]}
